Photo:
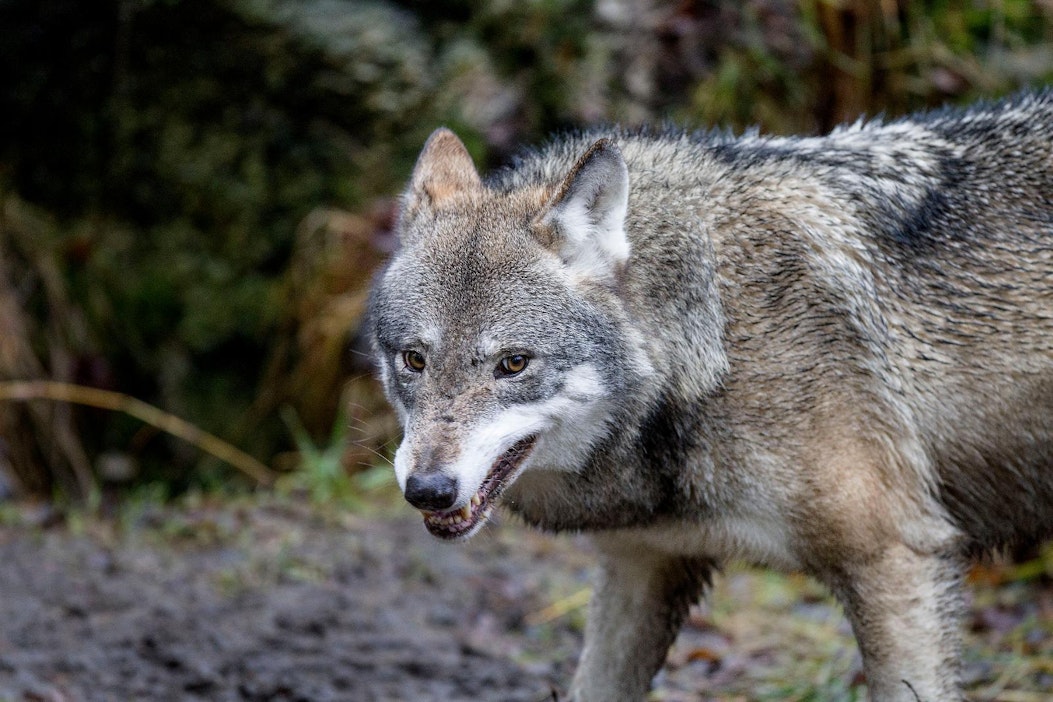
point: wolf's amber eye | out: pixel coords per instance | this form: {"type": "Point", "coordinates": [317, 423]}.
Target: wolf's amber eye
{"type": "Point", "coordinates": [414, 360]}
{"type": "Point", "coordinates": [512, 365]}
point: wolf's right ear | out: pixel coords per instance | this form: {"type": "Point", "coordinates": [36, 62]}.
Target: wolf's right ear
{"type": "Point", "coordinates": [587, 213]}
{"type": "Point", "coordinates": [444, 169]}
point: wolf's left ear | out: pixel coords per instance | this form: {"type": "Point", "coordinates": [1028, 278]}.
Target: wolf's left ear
{"type": "Point", "coordinates": [444, 169]}
{"type": "Point", "coordinates": [588, 212]}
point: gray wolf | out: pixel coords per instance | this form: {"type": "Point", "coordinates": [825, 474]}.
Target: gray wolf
{"type": "Point", "coordinates": [829, 354]}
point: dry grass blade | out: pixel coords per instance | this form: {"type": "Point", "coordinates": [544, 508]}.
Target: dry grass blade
{"type": "Point", "coordinates": [559, 608]}
{"type": "Point", "coordinates": [119, 402]}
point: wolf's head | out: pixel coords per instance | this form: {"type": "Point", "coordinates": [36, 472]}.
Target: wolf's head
{"type": "Point", "coordinates": [498, 330]}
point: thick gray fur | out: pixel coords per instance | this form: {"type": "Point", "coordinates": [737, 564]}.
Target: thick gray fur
{"type": "Point", "coordinates": [829, 354]}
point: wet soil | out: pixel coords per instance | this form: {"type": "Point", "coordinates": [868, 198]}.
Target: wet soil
{"type": "Point", "coordinates": [270, 600]}
{"type": "Point", "coordinates": [271, 603]}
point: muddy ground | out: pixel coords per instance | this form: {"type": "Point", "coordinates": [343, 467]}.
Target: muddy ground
{"type": "Point", "coordinates": [269, 599]}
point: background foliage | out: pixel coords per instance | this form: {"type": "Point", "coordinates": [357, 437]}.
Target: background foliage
{"type": "Point", "coordinates": [194, 193]}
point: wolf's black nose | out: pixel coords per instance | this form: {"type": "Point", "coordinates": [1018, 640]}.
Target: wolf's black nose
{"type": "Point", "coordinates": [432, 491]}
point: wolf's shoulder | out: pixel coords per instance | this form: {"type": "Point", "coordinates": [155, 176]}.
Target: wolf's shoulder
{"type": "Point", "coordinates": [1024, 118]}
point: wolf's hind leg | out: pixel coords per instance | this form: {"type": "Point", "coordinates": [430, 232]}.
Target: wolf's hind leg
{"type": "Point", "coordinates": [637, 607]}
{"type": "Point", "coordinates": [905, 608]}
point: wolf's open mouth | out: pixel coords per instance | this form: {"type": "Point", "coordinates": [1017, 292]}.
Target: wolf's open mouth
{"type": "Point", "coordinates": [462, 522]}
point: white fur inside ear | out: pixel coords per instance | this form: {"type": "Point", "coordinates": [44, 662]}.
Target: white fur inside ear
{"type": "Point", "coordinates": [590, 216]}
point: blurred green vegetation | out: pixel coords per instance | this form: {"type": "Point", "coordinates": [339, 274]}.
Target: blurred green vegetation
{"type": "Point", "coordinates": [194, 193]}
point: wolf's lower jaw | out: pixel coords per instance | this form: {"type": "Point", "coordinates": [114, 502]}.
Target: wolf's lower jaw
{"type": "Point", "coordinates": [463, 522]}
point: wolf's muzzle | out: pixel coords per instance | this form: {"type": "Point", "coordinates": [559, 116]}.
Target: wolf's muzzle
{"type": "Point", "coordinates": [432, 491]}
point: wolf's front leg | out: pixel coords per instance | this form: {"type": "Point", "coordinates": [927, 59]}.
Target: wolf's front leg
{"type": "Point", "coordinates": [636, 610]}
{"type": "Point", "coordinates": [905, 609]}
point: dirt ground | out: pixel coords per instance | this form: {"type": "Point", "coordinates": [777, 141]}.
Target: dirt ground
{"type": "Point", "coordinates": [272, 600]}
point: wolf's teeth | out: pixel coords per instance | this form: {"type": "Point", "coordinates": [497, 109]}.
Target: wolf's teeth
{"type": "Point", "coordinates": [466, 512]}
{"type": "Point", "coordinates": [476, 500]}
